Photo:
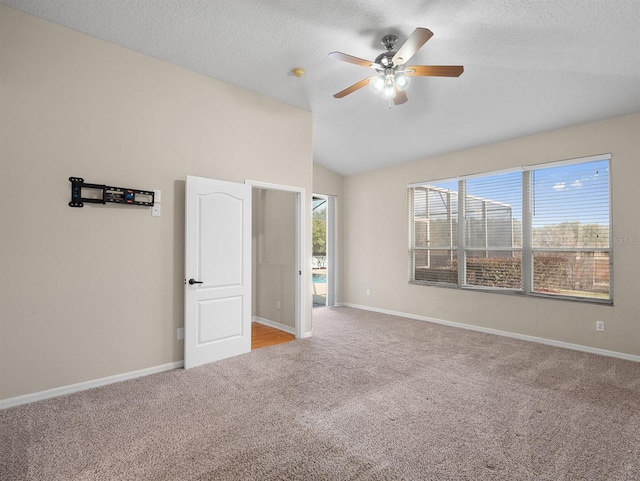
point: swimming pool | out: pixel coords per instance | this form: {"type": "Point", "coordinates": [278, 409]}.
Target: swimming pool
{"type": "Point", "coordinates": [319, 278]}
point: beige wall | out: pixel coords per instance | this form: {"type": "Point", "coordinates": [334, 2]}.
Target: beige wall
{"type": "Point", "coordinates": [375, 247]}
{"type": "Point", "coordinates": [327, 182]}
{"type": "Point", "coordinates": [93, 292]}
{"type": "Point", "coordinates": [274, 261]}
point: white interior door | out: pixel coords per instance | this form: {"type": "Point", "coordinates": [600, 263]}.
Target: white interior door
{"type": "Point", "coordinates": [217, 270]}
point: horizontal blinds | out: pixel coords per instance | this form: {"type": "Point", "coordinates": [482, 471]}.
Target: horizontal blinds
{"type": "Point", "coordinates": [493, 211]}
{"type": "Point", "coordinates": [570, 206]}
{"type": "Point", "coordinates": [566, 220]}
{"type": "Point", "coordinates": [435, 230]}
{"type": "Point", "coordinates": [435, 215]}
{"type": "Point", "coordinates": [493, 230]}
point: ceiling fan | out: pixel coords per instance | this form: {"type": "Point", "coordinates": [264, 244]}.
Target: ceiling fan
{"type": "Point", "coordinates": [392, 77]}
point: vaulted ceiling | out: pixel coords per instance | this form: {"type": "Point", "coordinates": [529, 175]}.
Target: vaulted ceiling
{"type": "Point", "coordinates": [529, 66]}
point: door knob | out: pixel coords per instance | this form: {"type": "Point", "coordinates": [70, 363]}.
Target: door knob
{"type": "Point", "coordinates": [192, 281]}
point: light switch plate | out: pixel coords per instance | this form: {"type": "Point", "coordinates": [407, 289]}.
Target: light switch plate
{"type": "Point", "coordinates": [155, 210]}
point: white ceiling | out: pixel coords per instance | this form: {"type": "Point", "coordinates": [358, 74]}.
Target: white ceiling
{"type": "Point", "coordinates": [530, 65]}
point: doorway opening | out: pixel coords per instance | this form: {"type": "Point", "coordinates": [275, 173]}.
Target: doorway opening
{"type": "Point", "coordinates": [323, 260]}
{"type": "Point", "coordinates": [277, 302]}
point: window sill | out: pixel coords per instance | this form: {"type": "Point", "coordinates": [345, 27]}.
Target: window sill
{"type": "Point", "coordinates": [518, 293]}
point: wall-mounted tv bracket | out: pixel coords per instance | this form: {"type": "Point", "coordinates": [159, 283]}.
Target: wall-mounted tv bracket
{"type": "Point", "coordinates": [106, 193]}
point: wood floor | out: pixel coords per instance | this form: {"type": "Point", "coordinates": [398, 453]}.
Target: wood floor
{"type": "Point", "coordinates": [263, 336]}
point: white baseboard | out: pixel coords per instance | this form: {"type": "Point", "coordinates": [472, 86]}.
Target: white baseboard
{"type": "Point", "coordinates": [274, 324]}
{"type": "Point", "coordinates": [60, 391]}
{"type": "Point", "coordinates": [82, 386]}
{"type": "Point", "coordinates": [514, 335]}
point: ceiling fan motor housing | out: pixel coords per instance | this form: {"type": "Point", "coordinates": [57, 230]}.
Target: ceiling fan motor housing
{"type": "Point", "coordinates": [385, 59]}
{"type": "Point", "coordinates": [389, 41]}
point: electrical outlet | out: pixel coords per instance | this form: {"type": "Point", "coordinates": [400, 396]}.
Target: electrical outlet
{"type": "Point", "coordinates": [278, 305]}
{"type": "Point", "coordinates": [599, 325]}
{"type": "Point", "coordinates": [155, 210]}
{"type": "Point", "coordinates": [180, 333]}
{"type": "Point", "coordinates": [368, 292]}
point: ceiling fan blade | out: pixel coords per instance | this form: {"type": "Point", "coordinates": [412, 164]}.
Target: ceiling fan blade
{"type": "Point", "coordinates": [434, 70]}
{"type": "Point", "coordinates": [416, 40]}
{"type": "Point", "coordinates": [353, 88]}
{"type": "Point", "coordinates": [400, 98]}
{"type": "Point", "coordinates": [351, 59]}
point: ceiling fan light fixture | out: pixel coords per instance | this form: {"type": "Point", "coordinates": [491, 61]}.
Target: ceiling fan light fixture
{"type": "Point", "coordinates": [387, 83]}
{"type": "Point", "coordinates": [389, 91]}
{"type": "Point", "coordinates": [377, 83]}
{"type": "Point", "coordinates": [401, 81]}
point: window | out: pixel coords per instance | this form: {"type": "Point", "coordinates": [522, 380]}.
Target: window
{"type": "Point", "coordinates": [493, 231]}
{"type": "Point", "coordinates": [540, 230]}
{"type": "Point", "coordinates": [570, 229]}
{"type": "Point", "coordinates": [435, 228]}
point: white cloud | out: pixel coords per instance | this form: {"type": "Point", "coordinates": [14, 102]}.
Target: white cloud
{"type": "Point", "coordinates": [576, 183]}
{"type": "Point", "coordinates": [559, 186]}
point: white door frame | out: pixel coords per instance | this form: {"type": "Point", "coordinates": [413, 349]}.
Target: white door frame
{"type": "Point", "coordinates": [332, 264]}
{"type": "Point", "coordinates": [301, 265]}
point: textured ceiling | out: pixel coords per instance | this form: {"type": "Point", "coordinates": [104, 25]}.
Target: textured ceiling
{"type": "Point", "coordinates": [530, 65]}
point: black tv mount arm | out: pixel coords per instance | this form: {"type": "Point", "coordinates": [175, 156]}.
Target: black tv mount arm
{"type": "Point", "coordinates": [118, 195]}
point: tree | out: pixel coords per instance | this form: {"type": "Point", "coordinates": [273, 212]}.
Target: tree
{"type": "Point", "coordinates": [319, 237]}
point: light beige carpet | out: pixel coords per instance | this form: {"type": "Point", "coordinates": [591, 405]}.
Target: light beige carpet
{"type": "Point", "coordinates": [369, 397]}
